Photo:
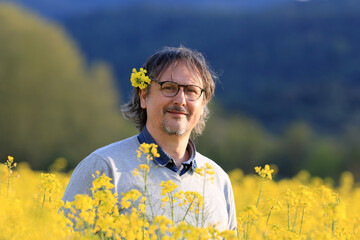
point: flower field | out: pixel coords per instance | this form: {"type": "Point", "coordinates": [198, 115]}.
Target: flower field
{"type": "Point", "coordinates": [299, 208]}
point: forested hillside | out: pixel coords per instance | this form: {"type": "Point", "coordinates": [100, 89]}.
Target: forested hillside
{"type": "Point", "coordinates": [51, 104]}
{"type": "Point", "coordinates": [295, 62]}
{"type": "Point", "coordinates": [289, 90]}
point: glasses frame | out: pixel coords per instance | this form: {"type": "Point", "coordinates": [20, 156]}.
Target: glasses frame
{"type": "Point", "coordinates": [178, 89]}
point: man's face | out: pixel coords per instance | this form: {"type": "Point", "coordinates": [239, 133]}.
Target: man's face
{"type": "Point", "coordinates": [172, 115]}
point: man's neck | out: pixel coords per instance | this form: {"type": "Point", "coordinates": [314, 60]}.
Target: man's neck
{"type": "Point", "coordinates": [175, 146]}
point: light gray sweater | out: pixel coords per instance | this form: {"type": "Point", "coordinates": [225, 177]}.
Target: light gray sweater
{"type": "Point", "coordinates": [118, 161]}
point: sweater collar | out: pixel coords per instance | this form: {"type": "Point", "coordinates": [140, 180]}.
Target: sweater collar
{"type": "Point", "coordinates": [165, 159]}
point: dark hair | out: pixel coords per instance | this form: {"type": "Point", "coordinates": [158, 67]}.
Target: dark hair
{"type": "Point", "coordinates": [156, 65]}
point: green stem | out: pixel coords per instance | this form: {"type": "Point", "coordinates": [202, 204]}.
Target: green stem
{"type": "Point", "coordinates": [43, 202]}
{"type": "Point", "coordinates": [159, 234]}
{"type": "Point", "coordinates": [8, 185]}
{"type": "Point", "coordinates": [147, 195]}
{"type": "Point", "coordinates": [333, 227]}
{"type": "Point", "coordinates": [187, 210]}
{"type": "Point", "coordinates": [261, 186]}
{"type": "Point", "coordinates": [196, 218]}
{"type": "Point", "coordinates": [203, 203]}
{"type": "Point", "coordinates": [143, 226]}
{"type": "Point", "coordinates": [288, 211]}
{"type": "Point", "coordinates": [248, 228]}
{"type": "Point", "coordinates": [267, 220]}
{"type": "Point", "coordinates": [171, 198]}
{"type": "Point", "coordinates": [244, 233]}
{"type": "Point", "coordinates": [302, 219]}
{"type": "Point", "coordinates": [296, 212]}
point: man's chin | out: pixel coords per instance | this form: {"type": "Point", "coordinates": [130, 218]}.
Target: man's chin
{"type": "Point", "coordinates": [174, 130]}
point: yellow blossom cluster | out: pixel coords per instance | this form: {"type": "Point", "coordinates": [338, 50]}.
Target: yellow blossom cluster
{"type": "Point", "coordinates": [150, 150]}
{"type": "Point", "coordinates": [205, 171]}
{"type": "Point", "coordinates": [10, 163]}
{"type": "Point", "coordinates": [266, 172]}
{"type": "Point", "coordinates": [167, 187]}
{"type": "Point", "coordinates": [303, 207]}
{"type": "Point", "coordinates": [49, 188]}
{"type": "Point", "coordinates": [298, 208]}
{"type": "Point", "coordinates": [139, 79]}
{"type": "Point", "coordinates": [194, 200]}
{"type": "Point", "coordinates": [29, 207]}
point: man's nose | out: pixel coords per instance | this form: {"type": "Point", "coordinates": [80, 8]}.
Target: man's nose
{"type": "Point", "coordinates": [180, 97]}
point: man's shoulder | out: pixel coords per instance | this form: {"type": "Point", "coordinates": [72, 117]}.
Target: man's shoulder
{"type": "Point", "coordinates": [117, 155]}
{"type": "Point", "coordinates": [201, 160]}
{"type": "Point", "coordinates": [122, 147]}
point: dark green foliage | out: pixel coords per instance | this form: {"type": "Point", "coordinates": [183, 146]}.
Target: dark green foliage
{"type": "Point", "coordinates": [51, 105]}
{"type": "Point", "coordinates": [294, 69]}
{"type": "Point", "coordinates": [298, 62]}
{"type": "Point", "coordinates": [240, 142]}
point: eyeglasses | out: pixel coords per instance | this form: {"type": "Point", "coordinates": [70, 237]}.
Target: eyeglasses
{"type": "Point", "coordinates": [170, 89]}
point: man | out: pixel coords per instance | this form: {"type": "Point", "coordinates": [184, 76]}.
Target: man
{"type": "Point", "coordinates": [167, 112]}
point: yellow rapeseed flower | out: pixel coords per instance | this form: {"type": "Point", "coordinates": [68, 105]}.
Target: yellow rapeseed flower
{"type": "Point", "coordinates": [266, 172]}
{"type": "Point", "coordinates": [162, 222]}
{"type": "Point", "coordinates": [144, 167]}
{"type": "Point", "coordinates": [154, 151]}
{"type": "Point", "coordinates": [10, 163]}
{"type": "Point", "coordinates": [167, 187]}
{"type": "Point", "coordinates": [136, 172]}
{"type": "Point", "coordinates": [192, 200]}
{"type": "Point", "coordinates": [207, 169]}
{"type": "Point", "coordinates": [139, 79]}
{"type": "Point", "coordinates": [129, 198]}
{"type": "Point", "coordinates": [150, 150]}
{"type": "Point", "coordinates": [199, 171]}
{"type": "Point", "coordinates": [297, 208]}
{"type": "Point", "coordinates": [102, 182]}
{"type": "Point", "coordinates": [83, 202]}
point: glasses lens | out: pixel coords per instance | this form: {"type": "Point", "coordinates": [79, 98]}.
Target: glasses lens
{"type": "Point", "coordinates": [192, 92]}
{"type": "Point", "coordinates": [169, 89]}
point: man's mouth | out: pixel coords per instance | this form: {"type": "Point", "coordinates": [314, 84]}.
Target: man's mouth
{"type": "Point", "coordinates": [176, 110]}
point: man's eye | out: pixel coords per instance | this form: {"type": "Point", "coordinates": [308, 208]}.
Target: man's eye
{"type": "Point", "coordinates": [169, 87]}
{"type": "Point", "coordinates": [192, 90]}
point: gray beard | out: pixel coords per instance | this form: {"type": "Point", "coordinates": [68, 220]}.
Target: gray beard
{"type": "Point", "coordinates": [173, 130]}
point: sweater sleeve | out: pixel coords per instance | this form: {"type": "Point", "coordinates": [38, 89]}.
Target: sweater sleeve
{"type": "Point", "coordinates": [81, 179]}
{"type": "Point", "coordinates": [231, 207]}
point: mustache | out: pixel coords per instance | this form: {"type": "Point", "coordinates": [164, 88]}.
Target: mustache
{"type": "Point", "coordinates": [176, 109]}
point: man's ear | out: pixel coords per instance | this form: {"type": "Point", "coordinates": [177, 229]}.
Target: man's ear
{"type": "Point", "coordinates": [143, 95]}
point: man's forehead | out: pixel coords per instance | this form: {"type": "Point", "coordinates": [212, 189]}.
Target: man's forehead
{"type": "Point", "coordinates": [195, 74]}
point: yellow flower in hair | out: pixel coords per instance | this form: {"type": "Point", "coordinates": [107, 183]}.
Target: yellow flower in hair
{"type": "Point", "coordinates": [139, 79]}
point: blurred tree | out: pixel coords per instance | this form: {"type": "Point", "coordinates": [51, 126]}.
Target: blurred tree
{"type": "Point", "coordinates": [293, 148]}
{"type": "Point", "coordinates": [235, 141]}
{"type": "Point", "coordinates": [293, 62]}
{"type": "Point", "coordinates": [351, 144]}
{"type": "Point", "coordinates": [325, 159]}
{"type": "Point", "coordinates": [51, 105]}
